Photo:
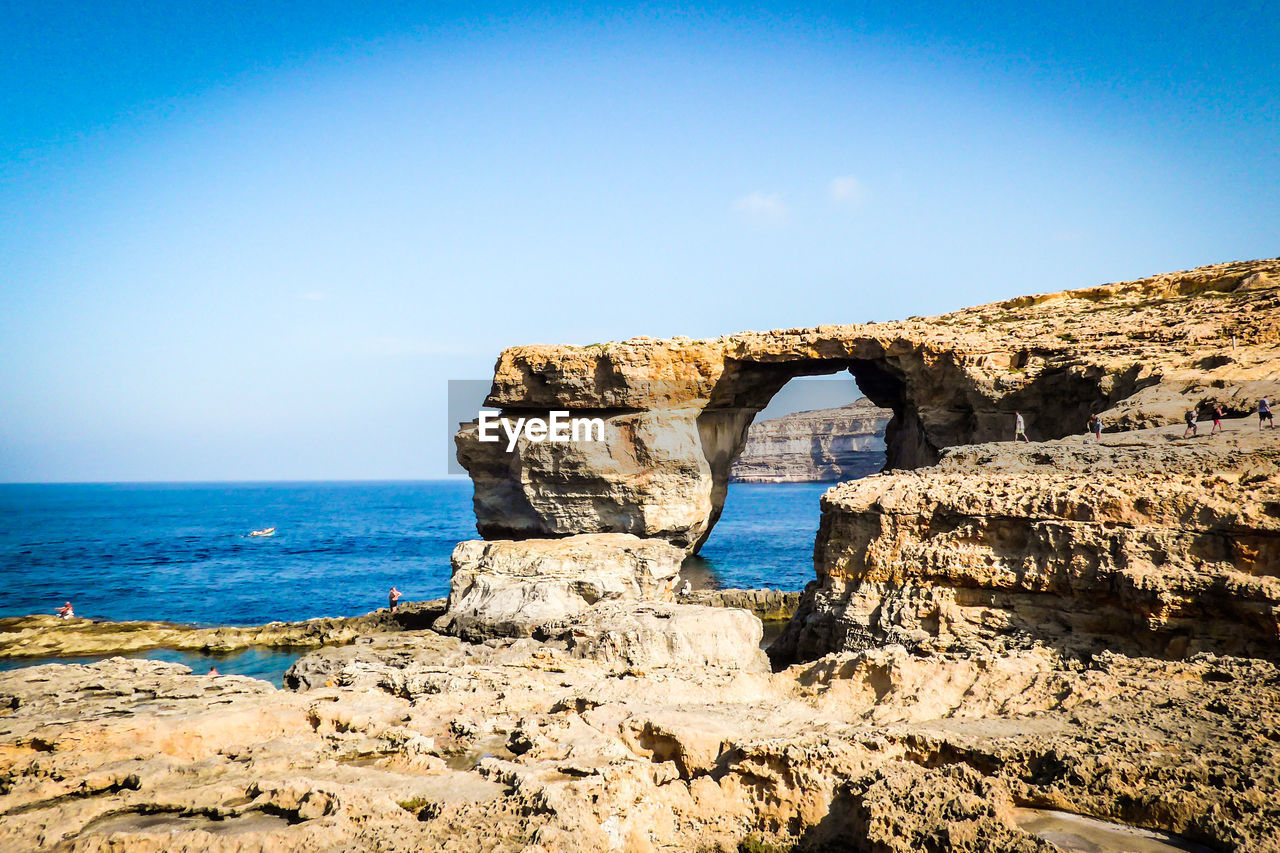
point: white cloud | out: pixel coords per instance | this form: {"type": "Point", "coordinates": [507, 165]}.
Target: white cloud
{"type": "Point", "coordinates": [846, 189]}
{"type": "Point", "coordinates": [764, 208]}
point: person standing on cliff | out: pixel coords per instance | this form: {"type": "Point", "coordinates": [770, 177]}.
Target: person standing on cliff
{"type": "Point", "coordinates": [1190, 418]}
{"type": "Point", "coordinates": [392, 598]}
{"type": "Point", "coordinates": [1020, 428]}
{"type": "Point", "coordinates": [1264, 413]}
{"type": "Point", "coordinates": [1095, 427]}
{"type": "Point", "coordinates": [1217, 419]}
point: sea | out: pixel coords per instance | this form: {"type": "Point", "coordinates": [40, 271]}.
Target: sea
{"type": "Point", "coordinates": [181, 552]}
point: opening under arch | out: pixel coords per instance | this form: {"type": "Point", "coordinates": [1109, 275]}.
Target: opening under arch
{"type": "Point", "coordinates": [812, 433]}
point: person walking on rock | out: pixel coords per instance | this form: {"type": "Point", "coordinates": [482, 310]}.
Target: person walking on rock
{"type": "Point", "coordinates": [1217, 419]}
{"type": "Point", "coordinates": [1264, 413]}
{"type": "Point", "coordinates": [1095, 427]}
{"type": "Point", "coordinates": [1190, 417]}
{"type": "Point", "coordinates": [392, 598]}
{"type": "Point", "coordinates": [1020, 428]}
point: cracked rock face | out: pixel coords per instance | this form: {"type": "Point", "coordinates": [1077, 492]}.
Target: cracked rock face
{"type": "Point", "coordinates": [677, 411]}
{"type": "Point", "coordinates": [653, 635]}
{"type": "Point", "coordinates": [509, 589]}
{"type": "Point", "coordinates": [1150, 545]}
{"type": "Point", "coordinates": [416, 741]}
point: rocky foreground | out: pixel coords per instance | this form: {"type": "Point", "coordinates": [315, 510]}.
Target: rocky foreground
{"type": "Point", "coordinates": [614, 737]}
{"type": "Point", "coordinates": [1004, 648]}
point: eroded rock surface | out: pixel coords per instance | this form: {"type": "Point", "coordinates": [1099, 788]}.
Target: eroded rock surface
{"type": "Point", "coordinates": [416, 741]}
{"type": "Point", "coordinates": [1148, 543]}
{"type": "Point", "coordinates": [677, 411]}
{"type": "Point", "coordinates": [769, 605]}
{"type": "Point", "coordinates": [652, 635]}
{"type": "Point", "coordinates": [508, 589]}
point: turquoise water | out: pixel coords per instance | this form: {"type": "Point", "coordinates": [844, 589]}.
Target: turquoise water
{"type": "Point", "coordinates": [182, 553]}
{"type": "Point", "coordinates": [765, 537]}
{"type": "Point", "coordinates": [267, 664]}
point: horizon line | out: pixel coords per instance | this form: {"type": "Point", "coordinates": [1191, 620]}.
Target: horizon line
{"type": "Point", "coordinates": [448, 478]}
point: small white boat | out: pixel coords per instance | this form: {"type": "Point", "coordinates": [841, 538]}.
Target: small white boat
{"type": "Point", "coordinates": [266, 531]}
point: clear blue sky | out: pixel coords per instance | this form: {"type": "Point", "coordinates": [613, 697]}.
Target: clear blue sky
{"type": "Point", "coordinates": [254, 240]}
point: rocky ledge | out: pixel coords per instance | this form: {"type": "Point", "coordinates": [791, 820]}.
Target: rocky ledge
{"type": "Point", "coordinates": [1148, 543]}
{"type": "Point", "coordinates": [769, 605]}
{"type": "Point", "coordinates": [511, 589]}
{"type": "Point", "coordinates": [48, 636]}
{"type": "Point", "coordinates": [43, 636]}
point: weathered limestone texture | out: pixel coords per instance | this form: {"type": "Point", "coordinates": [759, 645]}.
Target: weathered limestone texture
{"type": "Point", "coordinates": [508, 589]}
{"type": "Point", "coordinates": [1146, 544]}
{"type": "Point", "coordinates": [652, 635]}
{"type": "Point", "coordinates": [819, 446]}
{"type": "Point", "coordinates": [414, 741]}
{"type": "Point", "coordinates": [677, 411]}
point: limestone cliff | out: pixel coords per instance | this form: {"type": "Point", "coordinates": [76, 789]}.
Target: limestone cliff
{"type": "Point", "coordinates": [1147, 544]}
{"type": "Point", "coordinates": [823, 445]}
{"type": "Point", "coordinates": [677, 411]}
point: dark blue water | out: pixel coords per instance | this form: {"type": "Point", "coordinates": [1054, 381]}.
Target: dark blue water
{"type": "Point", "coordinates": [765, 536]}
{"type": "Point", "coordinates": [182, 552]}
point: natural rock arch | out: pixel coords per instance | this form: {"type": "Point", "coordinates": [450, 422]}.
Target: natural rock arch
{"type": "Point", "coordinates": [671, 441]}
{"type": "Point", "coordinates": [677, 410]}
